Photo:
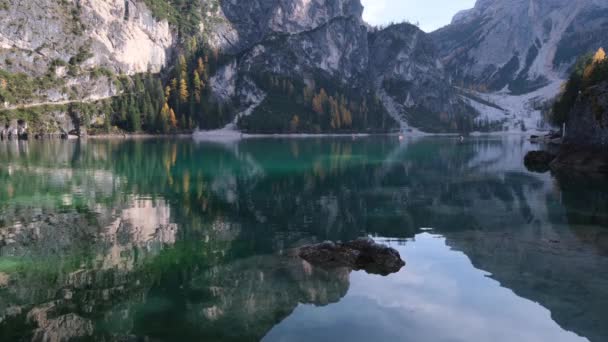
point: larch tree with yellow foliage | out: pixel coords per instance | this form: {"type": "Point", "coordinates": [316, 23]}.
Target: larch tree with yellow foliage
{"type": "Point", "coordinates": [599, 57]}
{"type": "Point", "coordinates": [183, 90]}
{"type": "Point", "coordinates": [172, 119]}
{"type": "Point", "coordinates": [198, 85]}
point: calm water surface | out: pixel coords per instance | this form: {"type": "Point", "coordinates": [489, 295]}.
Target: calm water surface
{"type": "Point", "coordinates": [185, 241]}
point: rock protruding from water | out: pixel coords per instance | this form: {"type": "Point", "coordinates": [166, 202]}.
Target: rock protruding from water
{"type": "Point", "coordinates": [539, 161]}
{"type": "Point", "coordinates": [361, 254]}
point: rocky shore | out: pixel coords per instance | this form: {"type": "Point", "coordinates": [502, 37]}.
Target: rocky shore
{"type": "Point", "coordinates": [584, 146]}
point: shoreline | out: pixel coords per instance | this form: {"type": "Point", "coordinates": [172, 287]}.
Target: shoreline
{"type": "Point", "coordinates": [135, 136]}
{"type": "Point", "coordinates": [233, 136]}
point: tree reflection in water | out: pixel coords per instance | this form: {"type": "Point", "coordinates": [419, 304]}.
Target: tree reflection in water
{"type": "Point", "coordinates": [176, 239]}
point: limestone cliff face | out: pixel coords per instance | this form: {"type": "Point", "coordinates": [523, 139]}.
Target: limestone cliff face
{"type": "Point", "coordinates": [120, 35]}
{"type": "Point", "coordinates": [520, 45]}
{"type": "Point", "coordinates": [337, 49]}
{"type": "Point", "coordinates": [410, 79]}
{"type": "Point", "coordinates": [328, 39]}
{"type": "Point", "coordinates": [66, 42]}
{"type": "Point", "coordinates": [236, 25]}
{"type": "Point", "coordinates": [302, 40]}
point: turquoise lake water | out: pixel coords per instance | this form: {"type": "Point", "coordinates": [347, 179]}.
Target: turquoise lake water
{"type": "Point", "coordinates": [178, 240]}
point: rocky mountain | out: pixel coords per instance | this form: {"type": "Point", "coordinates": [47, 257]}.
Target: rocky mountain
{"type": "Point", "coordinates": [326, 44]}
{"type": "Point", "coordinates": [288, 66]}
{"type": "Point", "coordinates": [520, 45]}
{"type": "Point", "coordinates": [512, 57]}
{"type": "Point", "coordinates": [403, 68]}
{"type": "Point", "coordinates": [68, 43]}
{"type": "Point", "coordinates": [71, 52]}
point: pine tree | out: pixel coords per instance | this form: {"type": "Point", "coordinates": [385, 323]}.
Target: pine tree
{"type": "Point", "coordinates": [107, 122]}
{"type": "Point", "coordinates": [134, 116]}
{"type": "Point", "coordinates": [149, 112]}
{"type": "Point", "coordinates": [122, 112]}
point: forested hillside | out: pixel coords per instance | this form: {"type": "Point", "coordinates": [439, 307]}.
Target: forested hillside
{"type": "Point", "coordinates": [264, 66]}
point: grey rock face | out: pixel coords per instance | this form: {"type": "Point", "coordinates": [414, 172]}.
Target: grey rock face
{"type": "Point", "coordinates": [338, 49]}
{"type": "Point", "coordinates": [250, 22]}
{"type": "Point", "coordinates": [299, 39]}
{"type": "Point", "coordinates": [121, 35]}
{"type": "Point", "coordinates": [399, 64]}
{"type": "Point", "coordinates": [69, 41]}
{"type": "Point", "coordinates": [521, 44]}
{"type": "Point", "coordinates": [407, 74]}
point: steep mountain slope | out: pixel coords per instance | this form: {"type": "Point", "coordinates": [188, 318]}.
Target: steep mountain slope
{"type": "Point", "coordinates": [410, 80]}
{"type": "Point", "coordinates": [521, 44]}
{"type": "Point", "coordinates": [326, 45]}
{"type": "Point", "coordinates": [63, 43]}
{"type": "Point", "coordinates": [519, 52]}
{"type": "Point", "coordinates": [291, 65]}
{"type": "Point", "coordinates": [238, 25]}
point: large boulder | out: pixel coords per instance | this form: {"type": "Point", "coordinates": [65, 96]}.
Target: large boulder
{"type": "Point", "coordinates": [538, 161]}
{"type": "Point", "coordinates": [361, 254]}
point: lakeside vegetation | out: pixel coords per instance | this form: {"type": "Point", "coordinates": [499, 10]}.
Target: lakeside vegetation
{"type": "Point", "coordinates": [589, 71]}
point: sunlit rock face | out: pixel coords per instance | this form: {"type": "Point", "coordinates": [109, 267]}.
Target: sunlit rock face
{"type": "Point", "coordinates": [120, 35]}
{"type": "Point", "coordinates": [77, 45]}
{"type": "Point", "coordinates": [520, 45]}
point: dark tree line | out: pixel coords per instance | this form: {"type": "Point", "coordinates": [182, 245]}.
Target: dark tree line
{"type": "Point", "coordinates": [314, 106]}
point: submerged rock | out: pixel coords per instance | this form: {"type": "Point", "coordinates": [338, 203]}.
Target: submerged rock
{"type": "Point", "coordinates": [538, 161]}
{"type": "Point", "coordinates": [361, 254]}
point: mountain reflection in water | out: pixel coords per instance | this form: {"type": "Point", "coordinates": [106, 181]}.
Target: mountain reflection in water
{"type": "Point", "coordinates": [177, 240]}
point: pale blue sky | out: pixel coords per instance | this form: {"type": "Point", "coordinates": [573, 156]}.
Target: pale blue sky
{"type": "Point", "coordinates": [430, 14]}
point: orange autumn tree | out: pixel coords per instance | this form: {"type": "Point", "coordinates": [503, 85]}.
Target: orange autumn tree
{"type": "Point", "coordinates": [172, 119]}
{"type": "Point", "coordinates": [598, 58]}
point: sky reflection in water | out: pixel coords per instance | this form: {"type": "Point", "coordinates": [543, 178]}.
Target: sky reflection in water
{"type": "Point", "coordinates": [178, 240]}
{"type": "Point", "coordinates": [439, 296]}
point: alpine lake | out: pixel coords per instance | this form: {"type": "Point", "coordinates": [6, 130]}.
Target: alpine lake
{"type": "Point", "coordinates": [179, 240]}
